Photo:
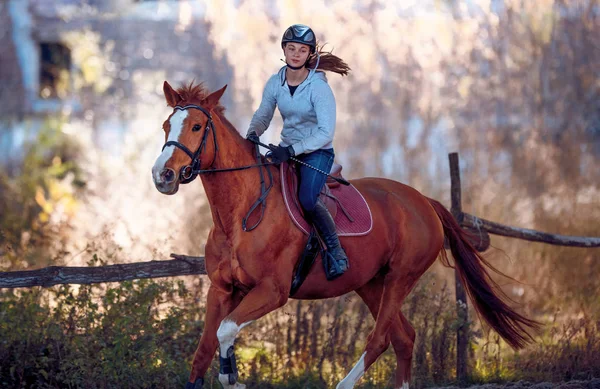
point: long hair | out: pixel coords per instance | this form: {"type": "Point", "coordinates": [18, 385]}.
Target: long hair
{"type": "Point", "coordinates": [327, 61]}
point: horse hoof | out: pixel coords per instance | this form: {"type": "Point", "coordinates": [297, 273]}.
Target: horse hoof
{"type": "Point", "coordinates": [230, 381]}
{"type": "Point", "coordinates": [199, 384]}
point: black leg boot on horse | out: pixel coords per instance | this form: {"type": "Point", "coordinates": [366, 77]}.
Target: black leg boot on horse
{"type": "Point", "coordinates": [335, 259]}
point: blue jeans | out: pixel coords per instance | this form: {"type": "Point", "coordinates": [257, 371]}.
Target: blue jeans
{"type": "Point", "coordinates": [311, 181]}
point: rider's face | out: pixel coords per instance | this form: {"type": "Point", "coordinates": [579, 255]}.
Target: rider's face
{"type": "Point", "coordinates": [296, 53]}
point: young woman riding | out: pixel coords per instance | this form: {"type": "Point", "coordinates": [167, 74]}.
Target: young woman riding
{"type": "Point", "coordinates": [307, 106]}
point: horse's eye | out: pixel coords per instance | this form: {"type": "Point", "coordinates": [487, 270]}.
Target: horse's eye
{"type": "Point", "coordinates": [196, 128]}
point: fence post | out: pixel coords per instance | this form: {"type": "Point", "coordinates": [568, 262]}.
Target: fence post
{"type": "Point", "coordinates": [462, 341]}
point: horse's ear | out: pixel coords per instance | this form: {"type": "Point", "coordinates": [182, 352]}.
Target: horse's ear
{"type": "Point", "coordinates": [172, 97]}
{"type": "Point", "coordinates": [213, 99]}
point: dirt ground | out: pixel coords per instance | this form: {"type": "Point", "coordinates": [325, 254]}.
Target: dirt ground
{"type": "Point", "coordinates": [591, 384]}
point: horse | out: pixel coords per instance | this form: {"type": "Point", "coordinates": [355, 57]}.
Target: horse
{"type": "Point", "coordinates": [250, 270]}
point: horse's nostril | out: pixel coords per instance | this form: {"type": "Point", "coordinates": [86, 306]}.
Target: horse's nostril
{"type": "Point", "coordinates": [168, 175]}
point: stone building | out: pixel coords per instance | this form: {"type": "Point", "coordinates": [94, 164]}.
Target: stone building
{"type": "Point", "coordinates": [85, 60]}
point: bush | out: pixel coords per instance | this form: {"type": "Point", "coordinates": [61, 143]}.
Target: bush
{"type": "Point", "coordinates": [37, 199]}
{"type": "Point", "coordinates": [143, 334]}
{"type": "Point", "coordinates": [133, 336]}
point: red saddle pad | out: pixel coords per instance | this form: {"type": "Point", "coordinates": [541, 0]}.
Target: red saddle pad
{"type": "Point", "coordinates": [348, 207]}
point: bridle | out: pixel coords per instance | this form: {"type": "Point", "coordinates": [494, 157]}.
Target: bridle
{"type": "Point", "coordinates": [188, 173]}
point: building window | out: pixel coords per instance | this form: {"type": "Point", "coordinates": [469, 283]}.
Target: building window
{"type": "Point", "coordinates": [55, 71]}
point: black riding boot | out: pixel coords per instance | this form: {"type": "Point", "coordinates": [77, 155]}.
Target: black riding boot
{"type": "Point", "coordinates": [336, 261]}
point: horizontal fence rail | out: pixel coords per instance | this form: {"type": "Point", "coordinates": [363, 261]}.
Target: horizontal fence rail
{"type": "Point", "coordinates": [476, 223]}
{"type": "Point", "coordinates": [181, 265]}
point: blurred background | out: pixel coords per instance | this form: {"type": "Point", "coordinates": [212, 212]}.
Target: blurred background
{"type": "Point", "coordinates": [512, 85]}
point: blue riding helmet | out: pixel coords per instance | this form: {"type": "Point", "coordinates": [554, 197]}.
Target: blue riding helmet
{"type": "Point", "coordinates": [299, 33]}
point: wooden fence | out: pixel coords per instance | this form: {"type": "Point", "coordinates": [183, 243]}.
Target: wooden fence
{"type": "Point", "coordinates": [182, 265]}
{"type": "Point", "coordinates": [481, 228]}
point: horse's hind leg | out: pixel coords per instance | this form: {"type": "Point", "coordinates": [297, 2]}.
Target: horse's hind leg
{"type": "Point", "coordinates": [403, 341]}
{"type": "Point", "coordinates": [384, 296]}
{"type": "Point", "coordinates": [371, 295]}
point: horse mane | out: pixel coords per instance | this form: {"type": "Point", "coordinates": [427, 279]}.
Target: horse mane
{"type": "Point", "coordinates": [197, 93]}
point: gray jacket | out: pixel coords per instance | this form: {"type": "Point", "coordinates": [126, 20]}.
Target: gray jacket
{"type": "Point", "coordinates": [308, 116]}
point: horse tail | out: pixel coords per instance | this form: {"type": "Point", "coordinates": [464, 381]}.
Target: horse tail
{"type": "Point", "coordinates": [488, 298]}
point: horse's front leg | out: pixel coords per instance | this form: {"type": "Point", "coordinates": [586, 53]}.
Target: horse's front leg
{"type": "Point", "coordinates": [218, 305]}
{"type": "Point", "coordinates": [266, 296]}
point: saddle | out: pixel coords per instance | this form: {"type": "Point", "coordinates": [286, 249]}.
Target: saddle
{"type": "Point", "coordinates": [347, 206]}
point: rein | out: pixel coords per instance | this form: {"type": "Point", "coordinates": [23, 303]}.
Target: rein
{"type": "Point", "coordinates": [189, 172]}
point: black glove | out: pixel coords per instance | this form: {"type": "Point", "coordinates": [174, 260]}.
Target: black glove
{"type": "Point", "coordinates": [280, 153]}
{"type": "Point", "coordinates": [253, 137]}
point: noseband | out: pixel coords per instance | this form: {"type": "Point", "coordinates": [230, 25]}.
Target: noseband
{"type": "Point", "coordinates": [189, 172]}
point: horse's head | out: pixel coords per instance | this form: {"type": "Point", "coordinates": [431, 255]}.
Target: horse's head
{"type": "Point", "coordinates": [189, 136]}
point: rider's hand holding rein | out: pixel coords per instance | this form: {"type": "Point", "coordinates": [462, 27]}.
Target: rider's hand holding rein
{"type": "Point", "coordinates": [281, 153]}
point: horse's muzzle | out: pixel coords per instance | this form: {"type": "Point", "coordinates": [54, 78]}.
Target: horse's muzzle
{"type": "Point", "coordinates": [167, 183]}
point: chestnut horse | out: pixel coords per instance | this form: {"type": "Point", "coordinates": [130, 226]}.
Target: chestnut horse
{"type": "Point", "coordinates": [251, 271]}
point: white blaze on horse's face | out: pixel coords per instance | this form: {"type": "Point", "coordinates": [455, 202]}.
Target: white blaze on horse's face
{"type": "Point", "coordinates": [176, 124]}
